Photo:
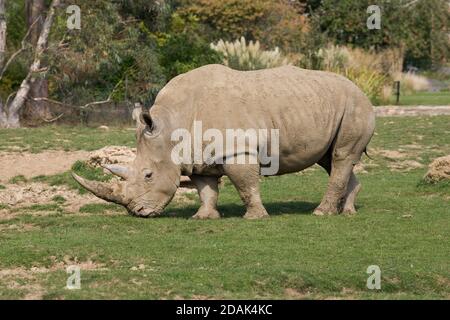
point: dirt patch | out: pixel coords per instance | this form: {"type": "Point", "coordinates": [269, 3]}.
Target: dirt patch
{"type": "Point", "coordinates": [439, 170]}
{"type": "Point", "coordinates": [390, 111]}
{"type": "Point", "coordinates": [390, 154]}
{"type": "Point", "coordinates": [34, 164]}
{"type": "Point", "coordinates": [291, 293]}
{"type": "Point", "coordinates": [406, 165]}
{"type": "Point", "coordinates": [24, 227]}
{"type": "Point", "coordinates": [25, 195]}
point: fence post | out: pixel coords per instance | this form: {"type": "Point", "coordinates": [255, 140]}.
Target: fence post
{"type": "Point", "coordinates": [397, 92]}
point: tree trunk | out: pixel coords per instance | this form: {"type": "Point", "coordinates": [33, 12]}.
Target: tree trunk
{"type": "Point", "coordinates": [2, 55]}
{"type": "Point", "coordinates": [34, 111]}
{"type": "Point", "coordinates": [24, 90]}
{"type": "Point", "coordinates": [2, 33]}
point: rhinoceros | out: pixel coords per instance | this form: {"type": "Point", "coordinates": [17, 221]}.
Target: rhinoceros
{"type": "Point", "coordinates": [320, 117]}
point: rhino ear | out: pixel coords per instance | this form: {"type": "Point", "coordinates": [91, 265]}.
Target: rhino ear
{"type": "Point", "coordinates": [146, 120]}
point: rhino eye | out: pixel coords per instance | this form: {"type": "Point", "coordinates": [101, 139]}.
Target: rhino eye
{"type": "Point", "coordinates": [148, 175]}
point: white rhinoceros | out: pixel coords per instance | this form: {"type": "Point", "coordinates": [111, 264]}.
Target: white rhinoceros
{"type": "Point", "coordinates": [318, 117]}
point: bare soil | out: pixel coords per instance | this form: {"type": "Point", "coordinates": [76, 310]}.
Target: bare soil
{"type": "Point", "coordinates": [34, 164]}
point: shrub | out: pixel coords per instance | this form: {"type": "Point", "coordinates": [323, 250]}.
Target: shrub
{"type": "Point", "coordinates": [242, 56]}
{"type": "Point", "coordinates": [367, 69]}
{"type": "Point", "coordinates": [410, 82]}
{"type": "Point", "coordinates": [371, 82]}
{"type": "Point", "coordinates": [183, 52]}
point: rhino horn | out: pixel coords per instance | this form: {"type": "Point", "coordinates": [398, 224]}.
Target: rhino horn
{"type": "Point", "coordinates": [117, 170]}
{"type": "Point", "coordinates": [105, 191]}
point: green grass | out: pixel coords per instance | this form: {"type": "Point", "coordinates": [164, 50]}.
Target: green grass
{"type": "Point", "coordinates": [63, 138]}
{"type": "Point", "coordinates": [441, 98]}
{"type": "Point", "coordinates": [66, 178]}
{"type": "Point", "coordinates": [18, 179]}
{"type": "Point", "coordinates": [402, 226]}
{"type": "Point", "coordinates": [100, 208]}
{"type": "Point", "coordinates": [59, 199]}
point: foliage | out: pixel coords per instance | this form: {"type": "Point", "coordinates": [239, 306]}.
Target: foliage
{"type": "Point", "coordinates": [109, 55]}
{"type": "Point", "coordinates": [183, 49]}
{"type": "Point", "coordinates": [368, 70]}
{"type": "Point", "coordinates": [369, 81]}
{"type": "Point", "coordinates": [242, 56]}
{"type": "Point", "coordinates": [232, 19]}
{"type": "Point", "coordinates": [420, 29]}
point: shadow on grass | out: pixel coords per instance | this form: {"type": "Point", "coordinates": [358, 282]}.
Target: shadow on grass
{"type": "Point", "coordinates": [236, 210]}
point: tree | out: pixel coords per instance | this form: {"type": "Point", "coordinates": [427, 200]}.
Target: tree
{"type": "Point", "coordinates": [274, 23]}
{"type": "Point", "coordinates": [35, 111]}
{"type": "Point", "coordinates": [9, 112]}
{"type": "Point", "coordinates": [418, 27]}
{"type": "Point", "coordinates": [2, 54]}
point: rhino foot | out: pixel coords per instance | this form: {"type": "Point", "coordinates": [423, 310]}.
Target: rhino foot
{"type": "Point", "coordinates": [256, 214]}
{"type": "Point", "coordinates": [349, 210]}
{"type": "Point", "coordinates": [325, 212]}
{"type": "Point", "coordinates": [203, 214]}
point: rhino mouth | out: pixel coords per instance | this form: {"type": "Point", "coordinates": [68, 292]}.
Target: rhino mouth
{"type": "Point", "coordinates": [142, 212]}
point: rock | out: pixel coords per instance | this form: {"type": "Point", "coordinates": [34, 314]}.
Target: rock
{"type": "Point", "coordinates": [438, 170]}
{"type": "Point", "coordinates": [104, 128]}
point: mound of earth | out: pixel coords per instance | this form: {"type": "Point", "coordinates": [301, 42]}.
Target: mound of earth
{"type": "Point", "coordinates": [111, 155]}
{"type": "Point", "coordinates": [439, 170]}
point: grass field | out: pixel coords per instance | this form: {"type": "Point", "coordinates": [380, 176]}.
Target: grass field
{"type": "Point", "coordinates": [403, 226]}
{"type": "Point", "coordinates": [425, 99]}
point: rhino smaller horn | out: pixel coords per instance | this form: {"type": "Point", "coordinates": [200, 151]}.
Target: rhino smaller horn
{"type": "Point", "coordinates": [118, 170]}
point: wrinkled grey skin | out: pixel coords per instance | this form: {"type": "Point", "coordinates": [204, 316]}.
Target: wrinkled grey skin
{"type": "Point", "coordinates": [322, 118]}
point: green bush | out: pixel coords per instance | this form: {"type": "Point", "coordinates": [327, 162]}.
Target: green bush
{"type": "Point", "coordinates": [183, 52]}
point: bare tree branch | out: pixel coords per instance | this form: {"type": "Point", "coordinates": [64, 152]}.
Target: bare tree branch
{"type": "Point", "coordinates": [411, 3]}
{"type": "Point", "coordinates": [23, 47]}
{"type": "Point", "coordinates": [94, 103]}
{"type": "Point", "coordinates": [9, 97]}
{"type": "Point", "coordinates": [54, 119]}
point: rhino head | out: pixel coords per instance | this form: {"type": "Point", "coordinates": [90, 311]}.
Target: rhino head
{"type": "Point", "coordinates": [150, 183]}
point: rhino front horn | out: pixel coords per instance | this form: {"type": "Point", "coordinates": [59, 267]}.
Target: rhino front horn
{"type": "Point", "coordinates": [105, 191]}
{"type": "Point", "coordinates": [117, 170]}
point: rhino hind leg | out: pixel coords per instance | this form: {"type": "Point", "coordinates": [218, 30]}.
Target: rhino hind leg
{"type": "Point", "coordinates": [353, 188]}
{"type": "Point", "coordinates": [334, 198]}
{"type": "Point", "coordinates": [246, 180]}
{"type": "Point", "coordinates": [208, 190]}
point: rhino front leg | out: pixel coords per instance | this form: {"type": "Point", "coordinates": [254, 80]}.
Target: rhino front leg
{"type": "Point", "coordinates": [208, 190]}
{"type": "Point", "coordinates": [245, 178]}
